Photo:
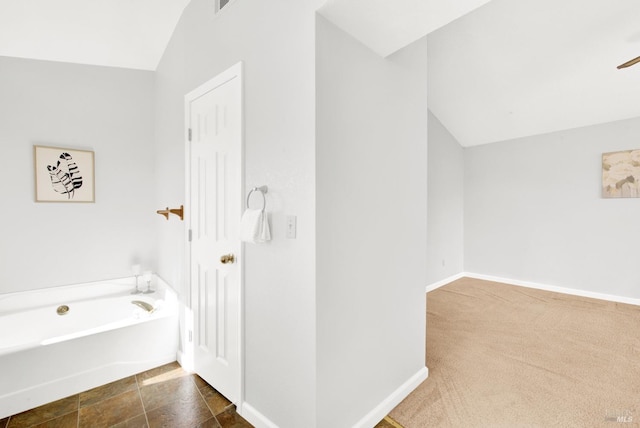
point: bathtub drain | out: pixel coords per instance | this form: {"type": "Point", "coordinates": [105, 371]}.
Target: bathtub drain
{"type": "Point", "coordinates": [62, 310]}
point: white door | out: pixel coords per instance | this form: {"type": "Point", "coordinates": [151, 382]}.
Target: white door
{"type": "Point", "coordinates": [214, 120]}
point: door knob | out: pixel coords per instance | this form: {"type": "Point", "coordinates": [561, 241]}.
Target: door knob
{"type": "Point", "coordinates": [227, 258]}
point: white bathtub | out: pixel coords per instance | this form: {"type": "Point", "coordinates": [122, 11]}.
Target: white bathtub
{"type": "Point", "coordinates": [103, 337]}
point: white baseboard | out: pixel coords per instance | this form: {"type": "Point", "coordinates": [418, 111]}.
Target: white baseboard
{"type": "Point", "coordinates": [383, 409]}
{"type": "Point", "coordinates": [445, 281]}
{"type": "Point", "coordinates": [258, 420]}
{"type": "Point", "coordinates": [538, 286]}
{"type": "Point", "coordinates": [254, 417]}
{"type": "Point", "coordinates": [563, 290]}
{"type": "Point", "coordinates": [185, 362]}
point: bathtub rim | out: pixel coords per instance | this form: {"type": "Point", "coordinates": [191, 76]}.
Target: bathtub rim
{"type": "Point", "coordinates": [23, 296]}
{"type": "Point", "coordinates": [166, 293]}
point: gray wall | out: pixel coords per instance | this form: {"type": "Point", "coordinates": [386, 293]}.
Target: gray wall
{"type": "Point", "coordinates": [445, 195]}
{"type": "Point", "coordinates": [533, 211]}
{"type": "Point", "coordinates": [275, 41]}
{"type": "Point", "coordinates": [371, 156]}
{"type": "Point", "coordinates": [107, 110]}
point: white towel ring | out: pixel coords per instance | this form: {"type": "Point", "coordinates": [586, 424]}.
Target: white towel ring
{"type": "Point", "coordinates": [262, 190]}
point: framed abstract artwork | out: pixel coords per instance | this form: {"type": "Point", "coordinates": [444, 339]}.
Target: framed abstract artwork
{"type": "Point", "coordinates": [64, 175]}
{"type": "Point", "coordinates": [621, 174]}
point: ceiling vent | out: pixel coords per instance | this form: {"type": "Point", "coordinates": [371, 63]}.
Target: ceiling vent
{"type": "Point", "coordinates": [220, 4]}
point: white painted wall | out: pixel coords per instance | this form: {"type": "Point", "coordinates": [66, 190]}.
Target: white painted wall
{"type": "Point", "coordinates": [533, 211]}
{"type": "Point", "coordinates": [445, 195]}
{"type": "Point", "coordinates": [371, 157]}
{"type": "Point", "coordinates": [107, 110]}
{"type": "Point", "coordinates": [275, 40]}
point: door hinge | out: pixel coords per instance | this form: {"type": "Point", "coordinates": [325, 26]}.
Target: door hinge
{"type": "Point", "coordinates": [190, 235]}
{"type": "Point", "coordinates": [189, 134]}
{"type": "Point", "coordinates": [190, 335]}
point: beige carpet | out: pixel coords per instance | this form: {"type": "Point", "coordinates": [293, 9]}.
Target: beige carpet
{"type": "Point", "coordinates": [507, 356]}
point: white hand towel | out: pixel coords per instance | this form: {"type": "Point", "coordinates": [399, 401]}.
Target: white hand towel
{"type": "Point", "coordinates": [264, 233]}
{"type": "Point", "coordinates": [249, 225]}
{"type": "Point", "coordinates": [254, 227]}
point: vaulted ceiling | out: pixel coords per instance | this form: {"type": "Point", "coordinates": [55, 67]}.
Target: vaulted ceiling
{"type": "Point", "coordinates": [386, 26]}
{"type": "Point", "coordinates": [498, 70]}
{"type": "Point", "coordinates": [515, 68]}
{"type": "Point", "coordinates": [511, 68]}
{"type": "Point", "coordinates": [118, 33]}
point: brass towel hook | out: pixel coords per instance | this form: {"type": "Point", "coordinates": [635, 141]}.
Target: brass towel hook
{"type": "Point", "coordinates": [177, 211]}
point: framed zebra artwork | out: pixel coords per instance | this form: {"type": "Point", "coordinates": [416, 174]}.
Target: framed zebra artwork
{"type": "Point", "coordinates": [64, 175]}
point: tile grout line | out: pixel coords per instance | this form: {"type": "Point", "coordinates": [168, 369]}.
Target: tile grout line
{"type": "Point", "coordinates": [193, 380]}
{"type": "Point", "coordinates": [103, 398]}
{"type": "Point", "coordinates": [144, 408]}
{"type": "Point", "coordinates": [48, 420]}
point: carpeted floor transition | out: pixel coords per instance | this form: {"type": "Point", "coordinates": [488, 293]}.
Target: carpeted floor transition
{"type": "Point", "coordinates": [508, 356]}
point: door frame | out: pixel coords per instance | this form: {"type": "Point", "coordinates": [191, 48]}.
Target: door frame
{"type": "Point", "coordinates": [233, 72]}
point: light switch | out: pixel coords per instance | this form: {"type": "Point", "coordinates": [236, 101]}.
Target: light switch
{"type": "Point", "coordinates": [291, 227]}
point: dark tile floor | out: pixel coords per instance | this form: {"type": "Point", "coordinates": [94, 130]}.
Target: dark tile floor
{"type": "Point", "coordinates": [166, 396]}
